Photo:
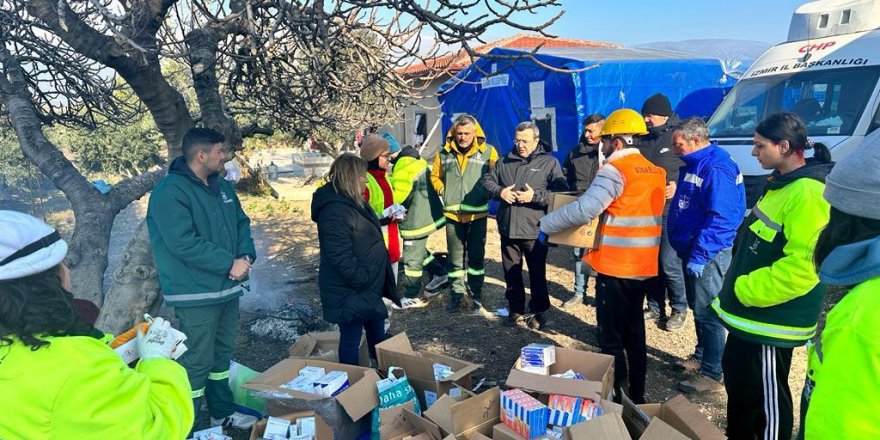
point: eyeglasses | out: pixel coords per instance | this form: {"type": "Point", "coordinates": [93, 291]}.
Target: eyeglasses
{"type": "Point", "coordinates": [386, 155]}
{"type": "Point", "coordinates": [522, 142]}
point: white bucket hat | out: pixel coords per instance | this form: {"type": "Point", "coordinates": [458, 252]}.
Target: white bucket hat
{"type": "Point", "coordinates": [28, 246]}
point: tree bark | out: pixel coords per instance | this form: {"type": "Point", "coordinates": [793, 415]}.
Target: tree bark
{"type": "Point", "coordinates": [135, 287]}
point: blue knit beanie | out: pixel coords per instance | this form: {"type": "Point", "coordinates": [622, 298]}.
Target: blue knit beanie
{"type": "Point", "coordinates": [394, 146]}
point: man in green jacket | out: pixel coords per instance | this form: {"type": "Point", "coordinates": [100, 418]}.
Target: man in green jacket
{"type": "Point", "coordinates": [203, 249]}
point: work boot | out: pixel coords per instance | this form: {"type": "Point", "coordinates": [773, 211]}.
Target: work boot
{"type": "Point", "coordinates": [454, 305]}
{"type": "Point", "coordinates": [700, 384]}
{"type": "Point", "coordinates": [512, 320]}
{"type": "Point", "coordinates": [689, 364]}
{"type": "Point", "coordinates": [576, 299]}
{"type": "Point", "coordinates": [676, 321]}
{"type": "Point", "coordinates": [433, 287]}
{"type": "Point", "coordinates": [651, 314]}
{"type": "Point", "coordinates": [536, 321]}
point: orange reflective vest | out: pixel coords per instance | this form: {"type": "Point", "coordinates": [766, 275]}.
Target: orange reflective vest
{"type": "Point", "coordinates": [629, 246]}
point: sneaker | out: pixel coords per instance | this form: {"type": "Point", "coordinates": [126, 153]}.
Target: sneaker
{"type": "Point", "coordinates": [512, 320]}
{"type": "Point", "coordinates": [477, 309]}
{"type": "Point", "coordinates": [700, 384]}
{"type": "Point", "coordinates": [410, 303]}
{"type": "Point", "coordinates": [676, 321]}
{"type": "Point", "coordinates": [236, 420]}
{"type": "Point", "coordinates": [438, 282]}
{"type": "Point", "coordinates": [576, 299]}
{"type": "Point", "coordinates": [689, 364]}
{"type": "Point", "coordinates": [536, 321]}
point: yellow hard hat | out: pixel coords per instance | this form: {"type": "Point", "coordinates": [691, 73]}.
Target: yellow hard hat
{"type": "Point", "coordinates": [624, 121]}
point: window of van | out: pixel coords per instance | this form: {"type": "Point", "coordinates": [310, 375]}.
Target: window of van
{"type": "Point", "coordinates": [830, 102]}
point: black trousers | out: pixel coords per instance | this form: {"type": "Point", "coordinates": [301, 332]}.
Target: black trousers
{"type": "Point", "coordinates": [622, 330]}
{"type": "Point", "coordinates": [758, 397]}
{"type": "Point", "coordinates": [512, 253]}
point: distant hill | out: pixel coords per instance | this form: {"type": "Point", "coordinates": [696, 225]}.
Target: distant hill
{"type": "Point", "coordinates": [736, 54]}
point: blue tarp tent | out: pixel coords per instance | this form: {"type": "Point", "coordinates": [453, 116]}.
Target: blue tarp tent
{"type": "Point", "coordinates": [523, 90]}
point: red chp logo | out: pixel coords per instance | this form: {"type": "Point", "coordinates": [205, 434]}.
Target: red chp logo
{"type": "Point", "coordinates": [815, 47]}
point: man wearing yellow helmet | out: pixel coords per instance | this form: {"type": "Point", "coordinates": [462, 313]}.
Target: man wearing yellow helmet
{"type": "Point", "coordinates": [630, 191]}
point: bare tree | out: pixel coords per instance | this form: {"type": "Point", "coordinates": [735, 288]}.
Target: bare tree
{"type": "Point", "coordinates": [255, 65]}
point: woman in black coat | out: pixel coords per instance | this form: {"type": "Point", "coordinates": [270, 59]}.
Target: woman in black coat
{"type": "Point", "coordinates": [355, 270]}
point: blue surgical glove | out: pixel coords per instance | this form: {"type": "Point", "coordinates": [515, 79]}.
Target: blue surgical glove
{"type": "Point", "coordinates": [695, 269]}
{"type": "Point", "coordinates": [542, 237]}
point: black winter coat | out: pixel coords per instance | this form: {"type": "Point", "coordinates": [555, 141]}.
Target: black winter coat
{"type": "Point", "coordinates": [656, 146]}
{"type": "Point", "coordinates": [541, 171]}
{"type": "Point", "coordinates": [355, 271]}
{"type": "Point", "coordinates": [581, 165]}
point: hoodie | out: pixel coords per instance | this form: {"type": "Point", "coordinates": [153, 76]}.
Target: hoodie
{"type": "Point", "coordinates": [845, 364]}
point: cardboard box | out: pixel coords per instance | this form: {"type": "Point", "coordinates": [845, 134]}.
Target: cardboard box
{"type": "Point", "coordinates": [397, 351]}
{"type": "Point", "coordinates": [344, 412]}
{"type": "Point", "coordinates": [325, 346]}
{"type": "Point", "coordinates": [322, 430]}
{"type": "Point", "coordinates": [463, 416]}
{"type": "Point", "coordinates": [609, 426]}
{"type": "Point", "coordinates": [400, 421]}
{"type": "Point", "coordinates": [584, 236]}
{"type": "Point", "coordinates": [598, 369]}
{"type": "Point", "coordinates": [678, 413]}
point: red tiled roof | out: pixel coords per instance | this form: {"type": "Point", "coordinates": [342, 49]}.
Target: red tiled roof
{"type": "Point", "coordinates": [460, 60]}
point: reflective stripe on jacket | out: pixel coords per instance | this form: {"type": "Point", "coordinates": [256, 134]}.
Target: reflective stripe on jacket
{"type": "Point", "coordinates": [79, 388]}
{"type": "Point", "coordinates": [630, 236]}
{"type": "Point", "coordinates": [412, 188]}
{"type": "Point", "coordinates": [771, 294]}
{"type": "Point", "coordinates": [457, 177]}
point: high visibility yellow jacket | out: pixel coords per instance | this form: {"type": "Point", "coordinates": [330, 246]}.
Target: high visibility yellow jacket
{"type": "Point", "coordinates": [845, 366]}
{"type": "Point", "coordinates": [79, 388]}
{"type": "Point", "coordinates": [457, 177]}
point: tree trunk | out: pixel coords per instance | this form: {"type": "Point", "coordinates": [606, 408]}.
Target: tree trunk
{"type": "Point", "coordinates": [135, 287]}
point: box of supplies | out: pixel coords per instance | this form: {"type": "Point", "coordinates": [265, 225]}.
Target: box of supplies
{"type": "Point", "coordinates": [583, 236]}
{"type": "Point", "coordinates": [325, 346]}
{"type": "Point", "coordinates": [303, 425]}
{"type": "Point", "coordinates": [431, 375]}
{"type": "Point", "coordinates": [591, 375]}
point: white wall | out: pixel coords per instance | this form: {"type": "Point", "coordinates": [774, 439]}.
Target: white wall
{"type": "Point", "coordinates": [404, 130]}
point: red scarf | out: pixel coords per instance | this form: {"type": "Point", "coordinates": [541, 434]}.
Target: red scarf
{"type": "Point", "coordinates": [393, 233]}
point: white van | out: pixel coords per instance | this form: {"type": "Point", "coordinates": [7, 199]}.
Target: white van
{"type": "Point", "coordinates": [827, 73]}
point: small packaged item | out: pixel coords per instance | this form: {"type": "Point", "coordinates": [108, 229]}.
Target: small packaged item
{"type": "Point", "coordinates": [312, 372]}
{"type": "Point", "coordinates": [538, 355]}
{"type": "Point", "coordinates": [570, 374]}
{"type": "Point", "coordinates": [302, 384]}
{"type": "Point", "coordinates": [276, 426]}
{"type": "Point", "coordinates": [305, 427]}
{"type": "Point", "coordinates": [568, 410]}
{"type": "Point", "coordinates": [524, 414]}
{"type": "Point", "coordinates": [442, 371]}
{"type": "Point", "coordinates": [332, 383]}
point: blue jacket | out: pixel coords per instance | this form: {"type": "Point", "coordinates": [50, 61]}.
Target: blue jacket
{"type": "Point", "coordinates": [708, 206]}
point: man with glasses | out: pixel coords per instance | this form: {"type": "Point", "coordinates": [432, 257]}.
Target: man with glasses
{"type": "Point", "coordinates": [523, 181]}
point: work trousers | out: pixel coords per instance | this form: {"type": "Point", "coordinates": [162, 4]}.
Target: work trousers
{"type": "Point", "coordinates": [466, 243]}
{"type": "Point", "coordinates": [512, 253]}
{"type": "Point", "coordinates": [758, 397]}
{"type": "Point", "coordinates": [210, 338]}
{"type": "Point", "coordinates": [671, 279]}
{"type": "Point", "coordinates": [701, 291]}
{"type": "Point", "coordinates": [622, 330]}
{"type": "Point", "coordinates": [416, 258]}
{"type": "Point", "coordinates": [350, 339]}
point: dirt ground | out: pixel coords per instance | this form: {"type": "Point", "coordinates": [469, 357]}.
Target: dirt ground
{"type": "Point", "coordinates": [290, 239]}
{"type": "Point", "coordinates": [483, 340]}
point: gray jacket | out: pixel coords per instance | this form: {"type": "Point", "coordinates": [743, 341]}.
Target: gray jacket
{"type": "Point", "coordinates": [607, 186]}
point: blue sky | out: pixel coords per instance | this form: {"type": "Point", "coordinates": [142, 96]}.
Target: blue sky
{"type": "Point", "coordinates": [633, 22]}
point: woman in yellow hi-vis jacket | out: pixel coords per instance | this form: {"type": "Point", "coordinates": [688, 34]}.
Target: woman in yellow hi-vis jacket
{"type": "Point", "coordinates": [58, 378]}
{"type": "Point", "coordinates": [840, 398]}
{"type": "Point", "coordinates": [771, 297]}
